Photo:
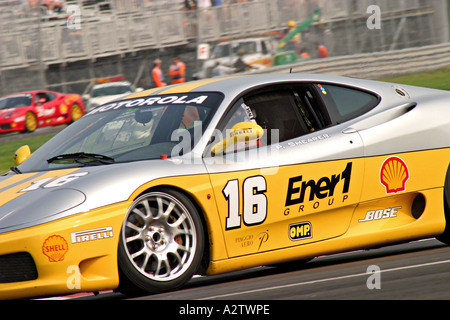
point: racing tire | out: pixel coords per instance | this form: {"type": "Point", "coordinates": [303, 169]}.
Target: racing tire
{"type": "Point", "coordinates": [445, 236]}
{"type": "Point", "coordinates": [30, 122]}
{"type": "Point", "coordinates": [75, 112]}
{"type": "Point", "coordinates": [161, 243]}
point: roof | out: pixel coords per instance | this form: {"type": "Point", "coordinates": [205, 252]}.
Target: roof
{"type": "Point", "coordinates": [238, 83]}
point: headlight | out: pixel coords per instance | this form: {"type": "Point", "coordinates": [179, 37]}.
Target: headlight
{"type": "Point", "coordinates": [10, 115]}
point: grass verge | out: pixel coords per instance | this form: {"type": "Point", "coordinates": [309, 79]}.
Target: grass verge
{"type": "Point", "coordinates": [9, 148]}
{"type": "Point", "coordinates": [438, 79]}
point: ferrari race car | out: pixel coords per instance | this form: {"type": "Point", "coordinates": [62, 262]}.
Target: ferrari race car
{"type": "Point", "coordinates": [222, 174]}
{"type": "Point", "coordinates": [30, 110]}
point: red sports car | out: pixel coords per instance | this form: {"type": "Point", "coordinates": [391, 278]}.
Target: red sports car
{"type": "Point", "coordinates": [29, 110]}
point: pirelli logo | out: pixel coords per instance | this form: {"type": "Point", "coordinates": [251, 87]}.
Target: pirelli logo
{"type": "Point", "coordinates": [91, 235]}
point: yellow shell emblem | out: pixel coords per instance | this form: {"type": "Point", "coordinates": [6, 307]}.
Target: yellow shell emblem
{"type": "Point", "coordinates": [394, 174]}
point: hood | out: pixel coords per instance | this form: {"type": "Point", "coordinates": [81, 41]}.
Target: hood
{"type": "Point", "coordinates": [31, 199]}
{"type": "Point", "coordinates": [6, 111]}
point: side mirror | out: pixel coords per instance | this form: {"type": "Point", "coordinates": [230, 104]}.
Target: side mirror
{"type": "Point", "coordinates": [22, 154]}
{"type": "Point", "coordinates": [242, 132]}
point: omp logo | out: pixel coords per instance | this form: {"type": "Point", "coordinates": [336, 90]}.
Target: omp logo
{"type": "Point", "coordinates": [320, 189]}
{"type": "Point", "coordinates": [394, 174]}
{"type": "Point", "coordinates": [298, 231]}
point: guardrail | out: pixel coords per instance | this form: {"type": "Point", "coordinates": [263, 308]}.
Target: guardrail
{"type": "Point", "coordinates": [375, 65]}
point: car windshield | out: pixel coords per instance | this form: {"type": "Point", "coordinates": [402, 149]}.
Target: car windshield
{"type": "Point", "coordinates": [111, 90]}
{"type": "Point", "coordinates": [15, 101]}
{"type": "Point", "coordinates": [128, 130]}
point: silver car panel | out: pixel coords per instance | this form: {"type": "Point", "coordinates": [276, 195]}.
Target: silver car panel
{"type": "Point", "coordinates": [406, 119]}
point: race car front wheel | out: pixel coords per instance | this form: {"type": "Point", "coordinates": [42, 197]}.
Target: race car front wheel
{"type": "Point", "coordinates": [30, 122]}
{"type": "Point", "coordinates": [161, 243]}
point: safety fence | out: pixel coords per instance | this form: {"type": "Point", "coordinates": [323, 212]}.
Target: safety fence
{"type": "Point", "coordinates": [35, 38]}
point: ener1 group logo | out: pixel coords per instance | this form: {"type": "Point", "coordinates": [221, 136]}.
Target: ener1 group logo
{"type": "Point", "coordinates": [322, 188]}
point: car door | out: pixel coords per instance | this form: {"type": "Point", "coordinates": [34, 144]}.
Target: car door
{"type": "Point", "coordinates": [298, 183]}
{"type": "Point", "coordinates": [46, 107]}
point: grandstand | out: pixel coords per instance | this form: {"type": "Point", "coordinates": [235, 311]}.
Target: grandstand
{"type": "Point", "coordinates": [65, 50]}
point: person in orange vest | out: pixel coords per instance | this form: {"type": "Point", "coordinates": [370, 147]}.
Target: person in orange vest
{"type": "Point", "coordinates": [322, 51]}
{"type": "Point", "coordinates": [157, 75]}
{"type": "Point", "coordinates": [177, 71]}
{"type": "Point", "coordinates": [304, 53]}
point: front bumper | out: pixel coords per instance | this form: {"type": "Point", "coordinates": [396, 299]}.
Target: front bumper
{"type": "Point", "coordinates": [9, 126]}
{"type": "Point", "coordinates": [75, 254]}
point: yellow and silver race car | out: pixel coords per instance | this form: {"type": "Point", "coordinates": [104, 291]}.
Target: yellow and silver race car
{"type": "Point", "coordinates": [222, 174]}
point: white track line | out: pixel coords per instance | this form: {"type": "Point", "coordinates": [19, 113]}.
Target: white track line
{"type": "Point", "coordinates": [323, 280]}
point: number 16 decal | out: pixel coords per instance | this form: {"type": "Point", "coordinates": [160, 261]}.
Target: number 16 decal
{"type": "Point", "coordinates": [254, 202]}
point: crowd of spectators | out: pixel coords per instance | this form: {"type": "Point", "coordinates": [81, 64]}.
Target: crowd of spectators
{"type": "Point", "coordinates": [57, 6]}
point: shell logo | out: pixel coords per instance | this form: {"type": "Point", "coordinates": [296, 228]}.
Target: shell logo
{"type": "Point", "coordinates": [55, 247]}
{"type": "Point", "coordinates": [394, 174]}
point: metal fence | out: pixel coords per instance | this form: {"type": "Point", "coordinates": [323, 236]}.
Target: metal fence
{"type": "Point", "coordinates": [33, 39]}
{"type": "Point", "coordinates": [30, 37]}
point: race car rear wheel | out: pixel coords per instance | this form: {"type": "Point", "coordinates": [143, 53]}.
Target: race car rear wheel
{"type": "Point", "coordinates": [161, 243]}
{"type": "Point", "coordinates": [445, 236]}
{"type": "Point", "coordinates": [30, 122]}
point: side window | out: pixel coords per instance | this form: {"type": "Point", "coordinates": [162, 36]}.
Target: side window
{"type": "Point", "coordinates": [284, 113]}
{"type": "Point", "coordinates": [51, 96]}
{"type": "Point", "coordinates": [281, 111]}
{"type": "Point", "coordinates": [345, 103]}
{"type": "Point", "coordinates": [41, 96]}
{"type": "Point", "coordinates": [45, 95]}
{"type": "Point", "coordinates": [264, 49]}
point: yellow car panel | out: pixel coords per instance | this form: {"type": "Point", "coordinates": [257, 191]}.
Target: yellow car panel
{"type": "Point", "coordinates": [315, 192]}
